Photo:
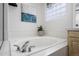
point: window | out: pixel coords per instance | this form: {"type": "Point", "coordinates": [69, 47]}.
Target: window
{"type": "Point", "coordinates": [77, 8]}
{"type": "Point", "coordinates": [53, 10]}
{"type": "Point", "coordinates": [77, 14]}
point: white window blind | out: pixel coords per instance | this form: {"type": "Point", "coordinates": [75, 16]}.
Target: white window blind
{"type": "Point", "coordinates": [54, 10]}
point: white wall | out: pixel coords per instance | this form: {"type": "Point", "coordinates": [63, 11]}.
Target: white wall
{"type": "Point", "coordinates": [5, 21]}
{"type": "Point", "coordinates": [55, 28]}
{"type": "Point", "coordinates": [58, 27]}
{"type": "Point", "coordinates": [18, 29]}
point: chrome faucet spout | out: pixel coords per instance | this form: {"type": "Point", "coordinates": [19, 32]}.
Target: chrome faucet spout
{"type": "Point", "coordinates": [24, 46]}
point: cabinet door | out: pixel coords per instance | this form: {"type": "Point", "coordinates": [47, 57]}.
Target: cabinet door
{"type": "Point", "coordinates": [74, 46]}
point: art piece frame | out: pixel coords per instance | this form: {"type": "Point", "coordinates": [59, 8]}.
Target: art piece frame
{"type": "Point", "coordinates": [27, 17]}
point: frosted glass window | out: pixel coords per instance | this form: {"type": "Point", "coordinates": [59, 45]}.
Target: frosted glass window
{"type": "Point", "coordinates": [77, 8]}
{"type": "Point", "coordinates": [54, 9]}
{"type": "Point", "coordinates": [77, 14]}
{"type": "Point", "coordinates": [77, 18]}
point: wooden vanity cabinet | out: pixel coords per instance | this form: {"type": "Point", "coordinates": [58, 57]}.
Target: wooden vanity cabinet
{"type": "Point", "coordinates": [73, 42]}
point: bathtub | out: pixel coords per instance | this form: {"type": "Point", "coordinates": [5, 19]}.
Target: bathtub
{"type": "Point", "coordinates": [5, 49]}
{"type": "Point", "coordinates": [43, 46]}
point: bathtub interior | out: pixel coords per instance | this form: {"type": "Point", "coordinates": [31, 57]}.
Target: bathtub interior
{"type": "Point", "coordinates": [39, 43]}
{"type": "Point", "coordinates": [5, 49]}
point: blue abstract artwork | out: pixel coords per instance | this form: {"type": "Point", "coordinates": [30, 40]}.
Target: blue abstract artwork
{"type": "Point", "coordinates": [26, 17]}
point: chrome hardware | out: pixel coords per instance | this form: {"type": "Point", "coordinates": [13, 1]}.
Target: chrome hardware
{"type": "Point", "coordinates": [30, 48]}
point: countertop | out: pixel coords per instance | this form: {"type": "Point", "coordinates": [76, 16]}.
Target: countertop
{"type": "Point", "coordinates": [74, 29]}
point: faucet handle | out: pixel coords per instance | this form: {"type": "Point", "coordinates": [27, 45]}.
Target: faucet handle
{"type": "Point", "coordinates": [29, 48]}
{"type": "Point", "coordinates": [18, 48]}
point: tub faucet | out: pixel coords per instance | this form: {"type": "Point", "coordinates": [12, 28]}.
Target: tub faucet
{"type": "Point", "coordinates": [23, 48]}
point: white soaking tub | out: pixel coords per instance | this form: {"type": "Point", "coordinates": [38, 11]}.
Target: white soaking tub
{"type": "Point", "coordinates": [43, 46]}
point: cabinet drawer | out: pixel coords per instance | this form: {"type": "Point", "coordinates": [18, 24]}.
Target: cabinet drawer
{"type": "Point", "coordinates": [74, 39]}
{"type": "Point", "coordinates": [73, 34]}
